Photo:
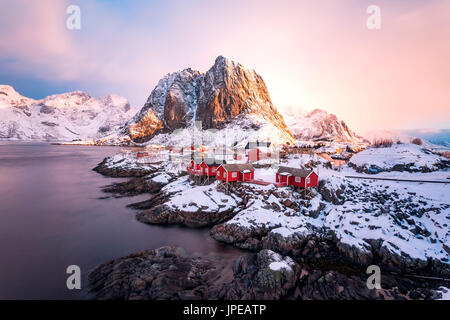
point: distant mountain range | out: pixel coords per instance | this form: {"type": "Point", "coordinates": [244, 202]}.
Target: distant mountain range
{"type": "Point", "coordinates": [61, 117]}
{"type": "Point", "coordinates": [228, 96]}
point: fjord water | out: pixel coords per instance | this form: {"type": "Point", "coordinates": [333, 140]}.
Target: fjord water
{"type": "Point", "coordinates": [52, 216]}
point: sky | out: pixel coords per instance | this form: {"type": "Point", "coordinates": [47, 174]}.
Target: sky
{"type": "Point", "coordinates": [311, 54]}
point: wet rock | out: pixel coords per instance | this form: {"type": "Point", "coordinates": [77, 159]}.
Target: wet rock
{"type": "Point", "coordinates": [265, 275]}
{"type": "Point", "coordinates": [134, 187]}
{"type": "Point", "coordinates": [147, 275]}
{"type": "Point", "coordinates": [125, 172]}
{"type": "Point", "coordinates": [354, 254]}
{"type": "Point", "coordinates": [239, 236]}
{"type": "Point", "coordinates": [162, 214]}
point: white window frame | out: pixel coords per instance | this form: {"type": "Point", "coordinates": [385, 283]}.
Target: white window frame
{"type": "Point", "coordinates": [298, 179]}
{"type": "Point", "coordinates": [224, 174]}
{"type": "Point", "coordinates": [308, 180]}
{"type": "Point", "coordinates": [234, 174]}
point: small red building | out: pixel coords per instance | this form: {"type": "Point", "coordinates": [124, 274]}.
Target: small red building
{"type": "Point", "coordinates": [235, 172]}
{"type": "Point", "coordinates": [141, 154]}
{"type": "Point", "coordinates": [195, 167]}
{"type": "Point", "coordinates": [303, 178]}
{"type": "Point", "coordinates": [258, 151]}
{"type": "Point", "coordinates": [209, 168]}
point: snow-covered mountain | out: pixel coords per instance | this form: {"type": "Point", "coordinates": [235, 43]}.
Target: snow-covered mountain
{"type": "Point", "coordinates": [227, 95]}
{"type": "Point", "coordinates": [319, 125]}
{"type": "Point", "coordinates": [60, 117]}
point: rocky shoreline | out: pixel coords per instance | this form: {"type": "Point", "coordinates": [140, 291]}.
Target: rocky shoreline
{"type": "Point", "coordinates": [169, 273]}
{"type": "Point", "coordinates": [105, 168]}
{"type": "Point", "coordinates": [316, 255]}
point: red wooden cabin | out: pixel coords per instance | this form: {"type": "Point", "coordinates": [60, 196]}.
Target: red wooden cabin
{"type": "Point", "coordinates": [303, 178]}
{"type": "Point", "coordinates": [195, 167]}
{"type": "Point", "coordinates": [209, 168]}
{"type": "Point", "coordinates": [235, 172]}
{"type": "Point", "coordinates": [258, 151]}
{"type": "Point", "coordinates": [141, 154]}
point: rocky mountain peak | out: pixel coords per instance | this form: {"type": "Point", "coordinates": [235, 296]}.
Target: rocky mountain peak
{"type": "Point", "coordinates": [230, 91]}
{"type": "Point", "coordinates": [227, 92]}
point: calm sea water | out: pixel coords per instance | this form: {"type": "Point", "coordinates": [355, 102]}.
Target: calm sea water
{"type": "Point", "coordinates": [51, 217]}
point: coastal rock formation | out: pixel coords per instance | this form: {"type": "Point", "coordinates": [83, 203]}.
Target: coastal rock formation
{"type": "Point", "coordinates": [171, 274]}
{"type": "Point", "coordinates": [265, 275]}
{"type": "Point", "coordinates": [123, 166]}
{"type": "Point", "coordinates": [163, 215]}
{"type": "Point", "coordinates": [165, 273]}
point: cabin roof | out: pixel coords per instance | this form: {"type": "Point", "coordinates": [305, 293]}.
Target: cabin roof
{"type": "Point", "coordinates": [238, 167]}
{"type": "Point", "coordinates": [211, 162]}
{"type": "Point", "coordinates": [251, 145]}
{"type": "Point", "coordinates": [296, 172]}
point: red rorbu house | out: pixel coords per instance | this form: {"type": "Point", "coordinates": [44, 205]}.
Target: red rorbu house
{"type": "Point", "coordinates": [297, 177]}
{"type": "Point", "coordinates": [141, 154]}
{"type": "Point", "coordinates": [195, 167]}
{"type": "Point", "coordinates": [235, 172]}
{"type": "Point", "coordinates": [210, 166]}
{"type": "Point", "coordinates": [258, 151]}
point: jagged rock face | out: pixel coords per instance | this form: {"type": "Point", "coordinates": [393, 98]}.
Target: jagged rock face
{"type": "Point", "coordinates": [171, 105]}
{"type": "Point", "coordinates": [230, 90]}
{"type": "Point", "coordinates": [225, 93]}
{"type": "Point", "coordinates": [319, 125]}
{"type": "Point", "coordinates": [146, 127]}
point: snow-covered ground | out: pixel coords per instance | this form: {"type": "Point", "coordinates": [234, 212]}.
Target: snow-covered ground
{"type": "Point", "coordinates": [411, 155]}
{"type": "Point", "coordinates": [445, 293]}
{"type": "Point", "coordinates": [239, 131]}
{"type": "Point", "coordinates": [406, 219]}
{"type": "Point", "coordinates": [191, 198]}
{"type": "Point", "coordinates": [409, 218]}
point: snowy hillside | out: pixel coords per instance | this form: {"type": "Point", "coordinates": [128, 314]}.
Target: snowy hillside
{"type": "Point", "coordinates": [398, 157]}
{"type": "Point", "coordinates": [61, 117]}
{"type": "Point", "coordinates": [400, 225]}
{"type": "Point", "coordinates": [239, 131]}
{"type": "Point", "coordinates": [319, 125]}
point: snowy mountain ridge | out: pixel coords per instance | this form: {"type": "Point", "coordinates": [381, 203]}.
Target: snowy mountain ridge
{"type": "Point", "coordinates": [319, 125]}
{"type": "Point", "coordinates": [60, 117]}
